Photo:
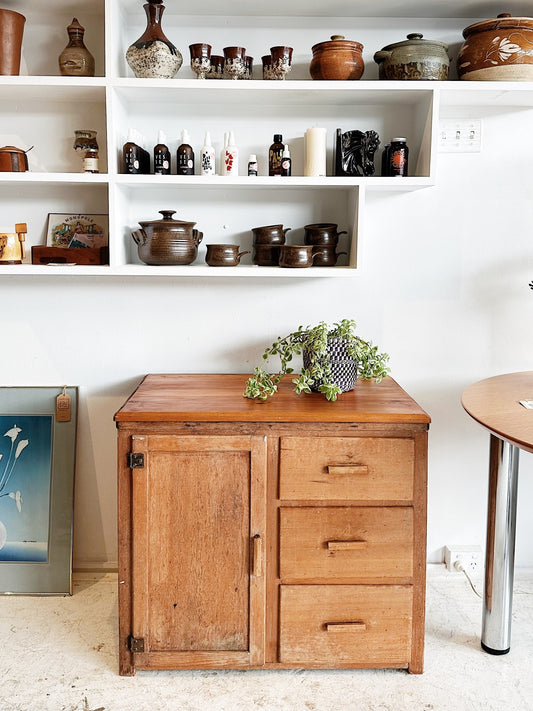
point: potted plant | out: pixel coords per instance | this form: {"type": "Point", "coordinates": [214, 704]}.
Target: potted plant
{"type": "Point", "coordinates": [333, 356]}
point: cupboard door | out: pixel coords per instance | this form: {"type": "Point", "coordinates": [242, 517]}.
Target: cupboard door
{"type": "Point", "coordinates": [198, 525]}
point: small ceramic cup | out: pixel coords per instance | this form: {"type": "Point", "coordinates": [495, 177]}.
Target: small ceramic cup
{"type": "Point", "coordinates": [267, 66]}
{"type": "Point", "coordinates": [297, 255]}
{"type": "Point", "coordinates": [224, 255]}
{"type": "Point", "coordinates": [266, 255]}
{"type": "Point", "coordinates": [234, 64]}
{"type": "Point", "coordinates": [322, 233]}
{"type": "Point", "coordinates": [217, 67]}
{"type": "Point", "coordinates": [200, 59]}
{"type": "Point", "coordinates": [281, 61]}
{"type": "Point", "coordinates": [325, 255]}
{"type": "Point", "coordinates": [270, 234]}
{"type": "Point", "coordinates": [248, 67]}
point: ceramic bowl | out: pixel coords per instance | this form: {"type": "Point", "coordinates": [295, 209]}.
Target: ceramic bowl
{"type": "Point", "coordinates": [266, 255]}
{"type": "Point", "coordinates": [270, 234]}
{"type": "Point", "coordinates": [325, 255]}
{"type": "Point", "coordinates": [297, 255]}
{"type": "Point", "coordinates": [322, 233]}
{"type": "Point", "coordinates": [224, 255]}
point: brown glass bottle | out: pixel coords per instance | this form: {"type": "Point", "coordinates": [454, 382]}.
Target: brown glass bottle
{"type": "Point", "coordinates": [399, 158]}
{"type": "Point", "coordinates": [90, 161]}
{"type": "Point", "coordinates": [161, 156]}
{"type": "Point", "coordinates": [275, 154]}
{"type": "Point", "coordinates": [185, 156]}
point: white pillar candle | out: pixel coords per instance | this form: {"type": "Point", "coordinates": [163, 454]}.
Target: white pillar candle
{"type": "Point", "coordinates": [315, 151]}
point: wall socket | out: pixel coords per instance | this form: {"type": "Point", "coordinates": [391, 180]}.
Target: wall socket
{"type": "Point", "coordinates": [471, 558]}
{"type": "Point", "coordinates": [460, 135]}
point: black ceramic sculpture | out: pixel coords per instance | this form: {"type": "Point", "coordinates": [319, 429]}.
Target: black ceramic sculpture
{"type": "Point", "coordinates": [354, 152]}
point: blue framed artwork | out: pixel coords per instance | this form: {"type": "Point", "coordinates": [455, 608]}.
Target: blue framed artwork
{"type": "Point", "coordinates": [37, 459]}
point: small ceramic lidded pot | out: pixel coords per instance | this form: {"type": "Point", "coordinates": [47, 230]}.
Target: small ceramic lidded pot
{"type": "Point", "coordinates": [500, 49]}
{"type": "Point", "coordinates": [414, 58]}
{"type": "Point", "coordinates": [153, 56]}
{"type": "Point", "coordinates": [76, 60]}
{"type": "Point", "coordinates": [224, 255]}
{"type": "Point", "coordinates": [200, 59]}
{"type": "Point", "coordinates": [339, 60]}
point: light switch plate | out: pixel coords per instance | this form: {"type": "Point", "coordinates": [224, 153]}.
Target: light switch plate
{"type": "Point", "coordinates": [460, 135]}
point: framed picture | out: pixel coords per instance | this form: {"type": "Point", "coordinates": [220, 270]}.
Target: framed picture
{"type": "Point", "coordinates": [37, 457]}
{"type": "Point", "coordinates": [77, 230]}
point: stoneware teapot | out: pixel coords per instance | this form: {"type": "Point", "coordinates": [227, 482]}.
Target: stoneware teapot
{"type": "Point", "coordinates": [12, 245]}
{"type": "Point", "coordinates": [167, 241]}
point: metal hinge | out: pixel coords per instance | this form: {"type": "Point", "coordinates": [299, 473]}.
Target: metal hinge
{"type": "Point", "coordinates": [135, 460]}
{"type": "Point", "coordinates": [136, 644]}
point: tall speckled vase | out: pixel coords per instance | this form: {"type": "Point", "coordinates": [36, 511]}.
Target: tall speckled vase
{"type": "Point", "coordinates": [153, 56]}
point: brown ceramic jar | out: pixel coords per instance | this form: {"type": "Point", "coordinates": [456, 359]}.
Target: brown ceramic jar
{"type": "Point", "coordinates": [340, 59]}
{"type": "Point", "coordinates": [500, 49]}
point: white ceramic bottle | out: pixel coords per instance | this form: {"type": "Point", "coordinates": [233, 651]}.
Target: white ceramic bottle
{"type": "Point", "coordinates": [223, 155]}
{"type": "Point", "coordinates": [232, 156]}
{"type": "Point", "coordinates": [207, 156]}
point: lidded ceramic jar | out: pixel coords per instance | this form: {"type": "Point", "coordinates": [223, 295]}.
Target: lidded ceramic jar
{"type": "Point", "coordinates": [167, 241]}
{"type": "Point", "coordinates": [500, 49]}
{"type": "Point", "coordinates": [339, 59]}
{"type": "Point", "coordinates": [414, 58]}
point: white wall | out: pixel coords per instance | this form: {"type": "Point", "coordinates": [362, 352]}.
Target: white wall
{"type": "Point", "coordinates": [443, 287]}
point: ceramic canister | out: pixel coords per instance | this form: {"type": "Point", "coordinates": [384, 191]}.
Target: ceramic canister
{"type": "Point", "coordinates": [414, 58]}
{"type": "Point", "coordinates": [500, 49]}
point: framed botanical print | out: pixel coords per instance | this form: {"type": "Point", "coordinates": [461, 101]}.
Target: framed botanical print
{"type": "Point", "coordinates": [37, 459]}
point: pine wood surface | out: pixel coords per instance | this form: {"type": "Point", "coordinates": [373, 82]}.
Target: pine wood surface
{"type": "Point", "coordinates": [214, 397]}
{"type": "Point", "coordinates": [230, 521]}
{"type": "Point", "coordinates": [495, 404]}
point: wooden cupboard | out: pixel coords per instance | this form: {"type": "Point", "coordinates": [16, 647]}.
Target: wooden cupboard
{"type": "Point", "coordinates": [282, 534]}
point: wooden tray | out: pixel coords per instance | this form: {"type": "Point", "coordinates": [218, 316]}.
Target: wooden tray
{"type": "Point", "coordinates": [76, 255]}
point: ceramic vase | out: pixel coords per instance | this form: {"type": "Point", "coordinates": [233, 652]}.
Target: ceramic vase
{"type": "Point", "coordinates": [76, 60]}
{"type": "Point", "coordinates": [11, 31]}
{"type": "Point", "coordinates": [153, 56]}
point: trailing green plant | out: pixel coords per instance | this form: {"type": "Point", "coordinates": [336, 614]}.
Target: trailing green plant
{"type": "Point", "coordinates": [371, 363]}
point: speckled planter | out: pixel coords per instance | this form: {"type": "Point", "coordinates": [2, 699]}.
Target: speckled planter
{"type": "Point", "coordinates": [153, 56]}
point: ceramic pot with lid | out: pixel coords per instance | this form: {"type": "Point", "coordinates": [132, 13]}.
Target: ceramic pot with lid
{"type": "Point", "coordinates": [339, 59]}
{"type": "Point", "coordinates": [167, 241]}
{"type": "Point", "coordinates": [414, 58]}
{"type": "Point", "coordinates": [13, 160]}
{"type": "Point", "coordinates": [500, 49]}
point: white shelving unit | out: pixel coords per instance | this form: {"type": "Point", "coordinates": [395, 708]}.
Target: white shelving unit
{"type": "Point", "coordinates": [43, 109]}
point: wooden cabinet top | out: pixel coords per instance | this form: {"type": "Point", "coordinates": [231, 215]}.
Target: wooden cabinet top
{"type": "Point", "coordinates": [219, 398]}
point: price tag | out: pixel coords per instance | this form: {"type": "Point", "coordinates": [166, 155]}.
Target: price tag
{"type": "Point", "coordinates": [63, 409]}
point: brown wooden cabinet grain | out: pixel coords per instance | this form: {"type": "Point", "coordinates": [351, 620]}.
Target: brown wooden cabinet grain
{"type": "Point", "coordinates": [270, 535]}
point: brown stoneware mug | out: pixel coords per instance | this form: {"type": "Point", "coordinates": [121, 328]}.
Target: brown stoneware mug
{"type": "Point", "coordinates": [326, 255]}
{"type": "Point", "coordinates": [266, 255]}
{"type": "Point", "coordinates": [224, 255]}
{"type": "Point", "coordinates": [322, 233]}
{"type": "Point", "coordinates": [270, 234]}
{"type": "Point", "coordinates": [297, 255]}
{"type": "Point", "coordinates": [234, 62]}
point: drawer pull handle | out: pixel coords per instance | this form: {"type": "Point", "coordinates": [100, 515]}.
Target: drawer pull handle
{"type": "Point", "coordinates": [348, 469]}
{"type": "Point", "coordinates": [346, 545]}
{"type": "Point", "coordinates": [345, 627]}
{"type": "Point", "coordinates": [257, 547]}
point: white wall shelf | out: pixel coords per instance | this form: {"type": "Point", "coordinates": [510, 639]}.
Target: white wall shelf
{"type": "Point", "coordinates": [43, 109]}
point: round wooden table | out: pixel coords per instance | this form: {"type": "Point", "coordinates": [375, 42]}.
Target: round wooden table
{"type": "Point", "coordinates": [495, 404]}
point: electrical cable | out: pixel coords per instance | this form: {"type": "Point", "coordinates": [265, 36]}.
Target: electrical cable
{"type": "Point", "coordinates": [460, 567]}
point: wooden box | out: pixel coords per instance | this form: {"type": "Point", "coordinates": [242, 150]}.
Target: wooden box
{"type": "Point", "coordinates": [75, 255]}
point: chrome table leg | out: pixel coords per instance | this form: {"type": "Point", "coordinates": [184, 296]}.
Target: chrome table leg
{"type": "Point", "coordinates": [499, 559]}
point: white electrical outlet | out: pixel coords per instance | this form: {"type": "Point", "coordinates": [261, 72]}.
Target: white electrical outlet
{"type": "Point", "coordinates": [460, 135]}
{"type": "Point", "coordinates": [469, 557]}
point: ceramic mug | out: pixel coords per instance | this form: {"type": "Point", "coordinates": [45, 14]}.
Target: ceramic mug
{"type": "Point", "coordinates": [224, 255]}
{"type": "Point", "coordinates": [297, 255]}
{"type": "Point", "coordinates": [266, 255]}
{"type": "Point", "coordinates": [322, 233]}
{"type": "Point", "coordinates": [270, 234]}
{"type": "Point", "coordinates": [326, 255]}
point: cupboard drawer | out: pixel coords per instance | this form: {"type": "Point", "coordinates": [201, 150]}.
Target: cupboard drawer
{"type": "Point", "coordinates": [344, 468]}
{"type": "Point", "coordinates": [329, 543]}
{"type": "Point", "coordinates": [346, 624]}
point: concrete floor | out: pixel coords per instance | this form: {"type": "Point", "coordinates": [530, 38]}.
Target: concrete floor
{"type": "Point", "coordinates": [60, 654]}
